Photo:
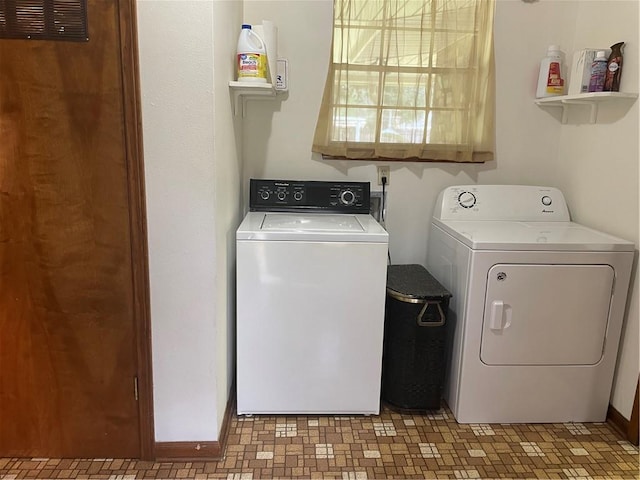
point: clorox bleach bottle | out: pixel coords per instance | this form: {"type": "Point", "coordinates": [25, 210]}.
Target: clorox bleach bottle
{"type": "Point", "coordinates": [252, 56]}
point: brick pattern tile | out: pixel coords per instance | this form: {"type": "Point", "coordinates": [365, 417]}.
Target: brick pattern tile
{"type": "Point", "coordinates": [390, 445]}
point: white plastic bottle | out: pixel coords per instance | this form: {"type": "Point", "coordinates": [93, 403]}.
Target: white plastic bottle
{"type": "Point", "coordinates": [550, 81]}
{"type": "Point", "coordinates": [251, 57]}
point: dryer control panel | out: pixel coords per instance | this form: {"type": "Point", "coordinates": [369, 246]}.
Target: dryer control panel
{"type": "Point", "coordinates": [296, 195]}
{"type": "Point", "coordinates": [502, 202]}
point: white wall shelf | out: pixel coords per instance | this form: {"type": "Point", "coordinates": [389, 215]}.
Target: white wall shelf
{"type": "Point", "coordinates": [593, 100]}
{"type": "Point", "coordinates": [243, 91]}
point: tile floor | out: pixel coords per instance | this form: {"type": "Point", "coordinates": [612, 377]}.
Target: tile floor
{"type": "Point", "coordinates": [391, 445]}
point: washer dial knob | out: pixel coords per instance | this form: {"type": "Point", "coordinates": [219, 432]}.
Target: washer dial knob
{"type": "Point", "coordinates": [347, 197]}
{"type": "Point", "coordinates": [297, 196]}
{"type": "Point", "coordinates": [264, 194]}
{"type": "Point", "coordinates": [467, 200]}
{"type": "Point", "coordinates": [282, 195]}
{"type": "Point", "coordinates": [546, 200]}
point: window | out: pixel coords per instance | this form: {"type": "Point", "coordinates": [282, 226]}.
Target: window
{"type": "Point", "coordinates": [44, 19]}
{"type": "Point", "coordinates": [409, 80]}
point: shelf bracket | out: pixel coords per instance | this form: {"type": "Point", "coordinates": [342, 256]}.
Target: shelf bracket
{"type": "Point", "coordinates": [565, 114]}
{"type": "Point", "coordinates": [565, 110]}
{"type": "Point", "coordinates": [241, 92]}
{"type": "Point", "coordinates": [593, 116]}
{"type": "Point", "coordinates": [239, 104]}
{"type": "Point", "coordinates": [594, 112]}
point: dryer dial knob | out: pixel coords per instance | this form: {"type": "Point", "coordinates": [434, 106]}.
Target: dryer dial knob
{"type": "Point", "coordinates": [347, 197]}
{"type": "Point", "coordinates": [467, 200]}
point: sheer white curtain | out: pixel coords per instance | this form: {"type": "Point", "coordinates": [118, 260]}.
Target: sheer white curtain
{"type": "Point", "coordinates": [410, 80]}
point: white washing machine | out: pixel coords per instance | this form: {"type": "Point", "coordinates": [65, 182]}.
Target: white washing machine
{"type": "Point", "coordinates": [537, 307]}
{"type": "Point", "coordinates": [311, 283]}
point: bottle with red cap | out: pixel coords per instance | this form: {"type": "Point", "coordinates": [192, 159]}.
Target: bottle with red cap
{"type": "Point", "coordinates": [550, 81]}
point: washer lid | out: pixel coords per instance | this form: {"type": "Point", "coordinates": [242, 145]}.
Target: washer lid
{"type": "Point", "coordinates": [511, 235]}
{"type": "Point", "coordinates": [311, 223]}
{"type": "Point", "coordinates": [311, 227]}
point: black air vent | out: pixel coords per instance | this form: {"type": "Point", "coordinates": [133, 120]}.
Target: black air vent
{"type": "Point", "coordinates": [44, 19]}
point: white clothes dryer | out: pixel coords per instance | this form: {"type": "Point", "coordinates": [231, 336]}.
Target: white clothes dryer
{"type": "Point", "coordinates": [311, 288]}
{"type": "Point", "coordinates": [537, 307]}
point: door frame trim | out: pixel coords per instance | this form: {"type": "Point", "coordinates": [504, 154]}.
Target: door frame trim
{"type": "Point", "coordinates": [137, 219]}
{"type": "Point", "coordinates": [627, 428]}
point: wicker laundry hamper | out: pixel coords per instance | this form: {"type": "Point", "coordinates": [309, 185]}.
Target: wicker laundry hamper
{"type": "Point", "coordinates": [413, 363]}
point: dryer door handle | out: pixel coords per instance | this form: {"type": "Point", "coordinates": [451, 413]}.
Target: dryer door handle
{"type": "Point", "coordinates": [497, 311]}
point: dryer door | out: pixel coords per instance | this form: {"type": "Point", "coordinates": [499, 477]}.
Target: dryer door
{"type": "Point", "coordinates": [546, 314]}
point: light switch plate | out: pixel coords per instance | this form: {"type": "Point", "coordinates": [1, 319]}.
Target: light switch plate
{"type": "Point", "coordinates": [282, 75]}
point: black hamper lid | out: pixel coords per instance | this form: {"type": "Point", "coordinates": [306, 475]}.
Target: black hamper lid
{"type": "Point", "coordinates": [413, 281]}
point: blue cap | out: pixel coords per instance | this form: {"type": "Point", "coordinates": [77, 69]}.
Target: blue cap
{"type": "Point", "coordinates": [246, 25]}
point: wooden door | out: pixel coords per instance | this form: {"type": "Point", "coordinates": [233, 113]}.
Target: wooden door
{"type": "Point", "coordinates": [68, 279]}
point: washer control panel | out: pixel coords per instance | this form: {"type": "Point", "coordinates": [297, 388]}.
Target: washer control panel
{"type": "Point", "coordinates": [296, 195]}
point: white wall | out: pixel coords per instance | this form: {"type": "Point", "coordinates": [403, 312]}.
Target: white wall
{"type": "Point", "coordinates": [227, 18]}
{"type": "Point", "coordinates": [194, 178]}
{"type": "Point", "coordinates": [176, 56]}
{"type": "Point", "coordinates": [597, 165]}
{"type": "Point", "coordinates": [532, 146]}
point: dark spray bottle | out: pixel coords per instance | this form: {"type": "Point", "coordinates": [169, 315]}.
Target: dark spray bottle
{"type": "Point", "coordinates": [614, 69]}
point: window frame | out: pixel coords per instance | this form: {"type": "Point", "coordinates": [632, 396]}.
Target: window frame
{"type": "Point", "coordinates": [428, 147]}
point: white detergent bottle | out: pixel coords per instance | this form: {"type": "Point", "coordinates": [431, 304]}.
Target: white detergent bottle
{"type": "Point", "coordinates": [251, 57]}
{"type": "Point", "coordinates": [550, 81]}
